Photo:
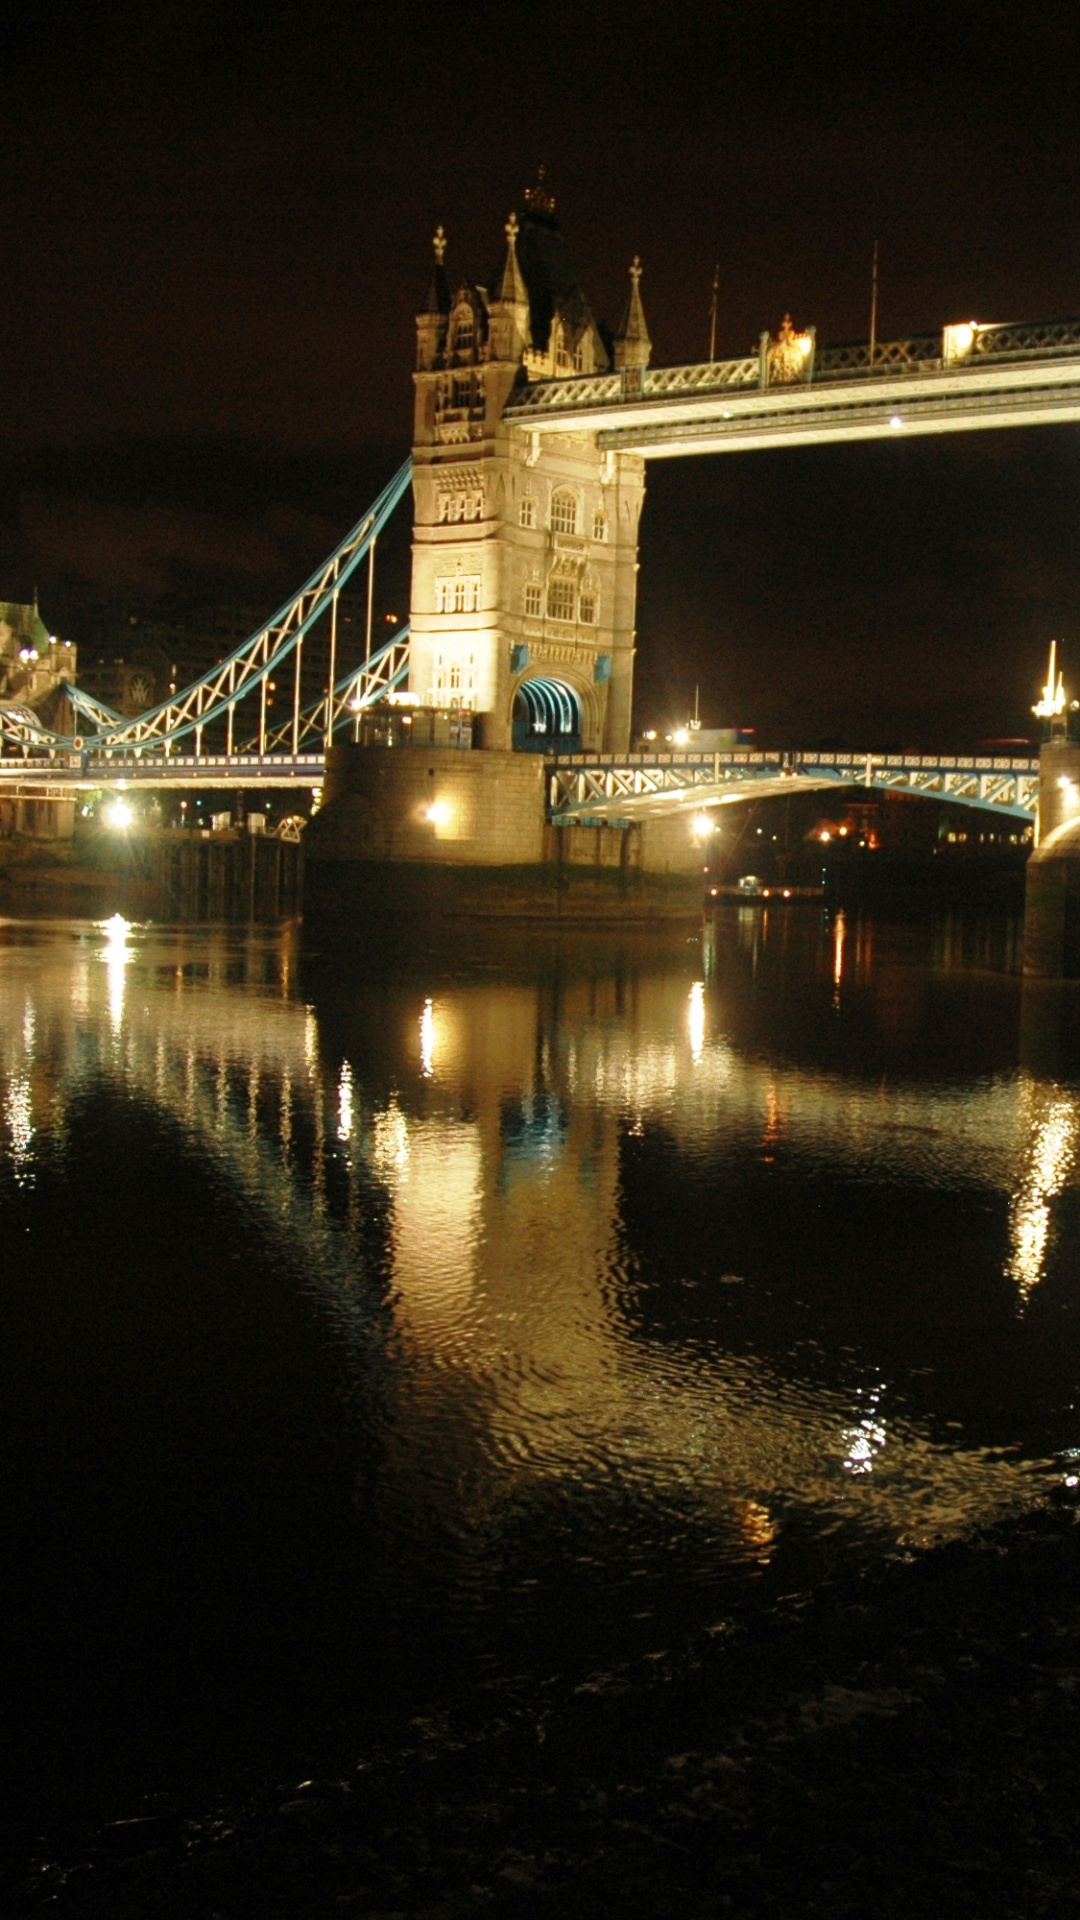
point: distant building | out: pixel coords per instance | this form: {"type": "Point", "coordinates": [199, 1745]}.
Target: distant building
{"type": "Point", "coordinates": [34, 665]}
{"type": "Point", "coordinates": [33, 662]}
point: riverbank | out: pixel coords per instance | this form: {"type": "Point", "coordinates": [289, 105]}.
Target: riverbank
{"type": "Point", "coordinates": [905, 1743]}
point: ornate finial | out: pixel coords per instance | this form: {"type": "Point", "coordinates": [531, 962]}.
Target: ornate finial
{"type": "Point", "coordinates": [512, 229]}
{"type": "Point", "coordinates": [439, 244]}
{"type": "Point", "coordinates": [1053, 701]}
{"type": "Point", "coordinates": [635, 268]}
{"type": "Point", "coordinates": [538, 197]}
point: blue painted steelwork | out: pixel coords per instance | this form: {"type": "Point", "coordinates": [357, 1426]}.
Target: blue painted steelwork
{"type": "Point", "coordinates": [93, 709]}
{"type": "Point", "coordinates": [246, 671]}
{"type": "Point", "coordinates": [606, 789]}
{"type": "Point", "coordinates": [551, 709]}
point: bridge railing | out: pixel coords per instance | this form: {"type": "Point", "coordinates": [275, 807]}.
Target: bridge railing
{"type": "Point", "coordinates": [950, 351]}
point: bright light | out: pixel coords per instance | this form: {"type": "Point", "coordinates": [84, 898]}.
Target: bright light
{"type": "Point", "coordinates": [680, 737]}
{"type": "Point", "coordinates": [440, 813]}
{"type": "Point", "coordinates": [427, 1040]}
{"type": "Point", "coordinates": [119, 815]}
{"type": "Point", "coordinates": [825, 836]}
{"type": "Point", "coordinates": [695, 1018]}
{"type": "Point", "coordinates": [896, 421]}
{"type": "Point", "coordinates": [703, 824]}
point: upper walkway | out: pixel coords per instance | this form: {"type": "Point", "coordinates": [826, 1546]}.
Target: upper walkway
{"type": "Point", "coordinates": [793, 392]}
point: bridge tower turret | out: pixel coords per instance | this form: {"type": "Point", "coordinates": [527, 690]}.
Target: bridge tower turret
{"type": "Point", "coordinates": [524, 576]}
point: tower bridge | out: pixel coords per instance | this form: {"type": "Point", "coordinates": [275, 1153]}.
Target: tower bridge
{"type": "Point", "coordinates": [533, 427]}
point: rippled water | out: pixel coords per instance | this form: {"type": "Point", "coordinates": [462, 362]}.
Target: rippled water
{"type": "Point", "coordinates": [385, 1331]}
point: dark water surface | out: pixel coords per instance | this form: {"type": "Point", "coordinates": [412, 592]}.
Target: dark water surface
{"type": "Point", "coordinates": [391, 1337]}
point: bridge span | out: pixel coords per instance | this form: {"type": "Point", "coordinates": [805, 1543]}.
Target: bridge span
{"type": "Point", "coordinates": [605, 788]}
{"type": "Point", "coordinates": [532, 434]}
{"type": "Point", "coordinates": [610, 790]}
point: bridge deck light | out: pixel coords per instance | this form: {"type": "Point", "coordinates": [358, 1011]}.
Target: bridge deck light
{"type": "Point", "coordinates": [896, 421]}
{"type": "Point", "coordinates": [703, 825]}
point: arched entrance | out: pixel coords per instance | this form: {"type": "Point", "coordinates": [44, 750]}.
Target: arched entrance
{"type": "Point", "coordinates": [546, 718]}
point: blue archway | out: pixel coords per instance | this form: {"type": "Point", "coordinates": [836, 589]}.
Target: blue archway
{"type": "Point", "coordinates": [546, 718]}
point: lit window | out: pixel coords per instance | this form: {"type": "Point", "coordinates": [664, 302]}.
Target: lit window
{"type": "Point", "coordinates": [533, 600]}
{"type": "Point", "coordinates": [461, 594]}
{"type": "Point", "coordinates": [455, 676]}
{"type": "Point", "coordinates": [599, 524]}
{"type": "Point", "coordinates": [588, 609]}
{"type": "Point", "coordinates": [560, 600]}
{"type": "Point", "coordinates": [527, 511]}
{"type": "Point", "coordinates": [579, 356]}
{"type": "Point", "coordinates": [564, 512]}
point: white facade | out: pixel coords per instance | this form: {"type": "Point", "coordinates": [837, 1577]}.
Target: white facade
{"type": "Point", "coordinates": [524, 551]}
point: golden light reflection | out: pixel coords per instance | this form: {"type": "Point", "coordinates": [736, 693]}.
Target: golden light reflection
{"type": "Point", "coordinates": [117, 956]}
{"type": "Point", "coordinates": [695, 1018]}
{"type": "Point", "coordinates": [758, 1529]}
{"type": "Point", "coordinates": [19, 1116]}
{"type": "Point", "coordinates": [864, 1441]}
{"type": "Point", "coordinates": [390, 1142]}
{"type": "Point", "coordinates": [345, 1102]}
{"type": "Point", "coordinates": [427, 1041]}
{"type": "Point", "coordinates": [437, 1229]}
{"type": "Point", "coordinates": [839, 935]}
{"type": "Point", "coordinates": [1052, 1118]}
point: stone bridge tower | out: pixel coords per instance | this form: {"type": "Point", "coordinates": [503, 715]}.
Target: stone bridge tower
{"type": "Point", "coordinates": [524, 575]}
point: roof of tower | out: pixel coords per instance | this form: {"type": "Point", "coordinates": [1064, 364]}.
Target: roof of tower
{"type": "Point", "coordinates": [549, 274]}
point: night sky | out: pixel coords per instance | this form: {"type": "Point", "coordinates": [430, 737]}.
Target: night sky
{"type": "Point", "coordinates": [216, 230]}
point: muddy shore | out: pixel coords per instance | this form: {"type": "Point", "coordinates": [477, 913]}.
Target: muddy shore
{"type": "Point", "coordinates": [906, 1743]}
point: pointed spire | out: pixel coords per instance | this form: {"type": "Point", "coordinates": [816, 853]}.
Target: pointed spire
{"type": "Point", "coordinates": [511, 286]}
{"type": "Point", "coordinates": [432, 318]}
{"type": "Point", "coordinates": [510, 332]}
{"type": "Point", "coordinates": [632, 344]}
{"type": "Point", "coordinates": [438, 293]}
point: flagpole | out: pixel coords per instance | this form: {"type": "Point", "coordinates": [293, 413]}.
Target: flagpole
{"type": "Point", "coordinates": [712, 312]}
{"type": "Point", "coordinates": [873, 306]}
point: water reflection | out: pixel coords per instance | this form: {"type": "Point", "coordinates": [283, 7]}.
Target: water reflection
{"type": "Point", "coordinates": [1049, 1117]}
{"type": "Point", "coordinates": [562, 1221]}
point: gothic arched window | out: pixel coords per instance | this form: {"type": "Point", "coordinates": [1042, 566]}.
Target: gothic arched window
{"type": "Point", "coordinates": [564, 511]}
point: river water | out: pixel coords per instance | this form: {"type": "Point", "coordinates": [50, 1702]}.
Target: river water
{"type": "Point", "coordinates": [422, 1332]}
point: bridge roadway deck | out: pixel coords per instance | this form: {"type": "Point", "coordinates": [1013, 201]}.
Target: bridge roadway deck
{"type": "Point", "coordinates": [603, 788]}
{"type": "Point", "coordinates": [63, 774]}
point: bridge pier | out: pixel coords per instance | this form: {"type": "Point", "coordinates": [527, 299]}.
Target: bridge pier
{"type": "Point", "coordinates": [444, 832]}
{"type": "Point", "coordinates": [1052, 890]}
